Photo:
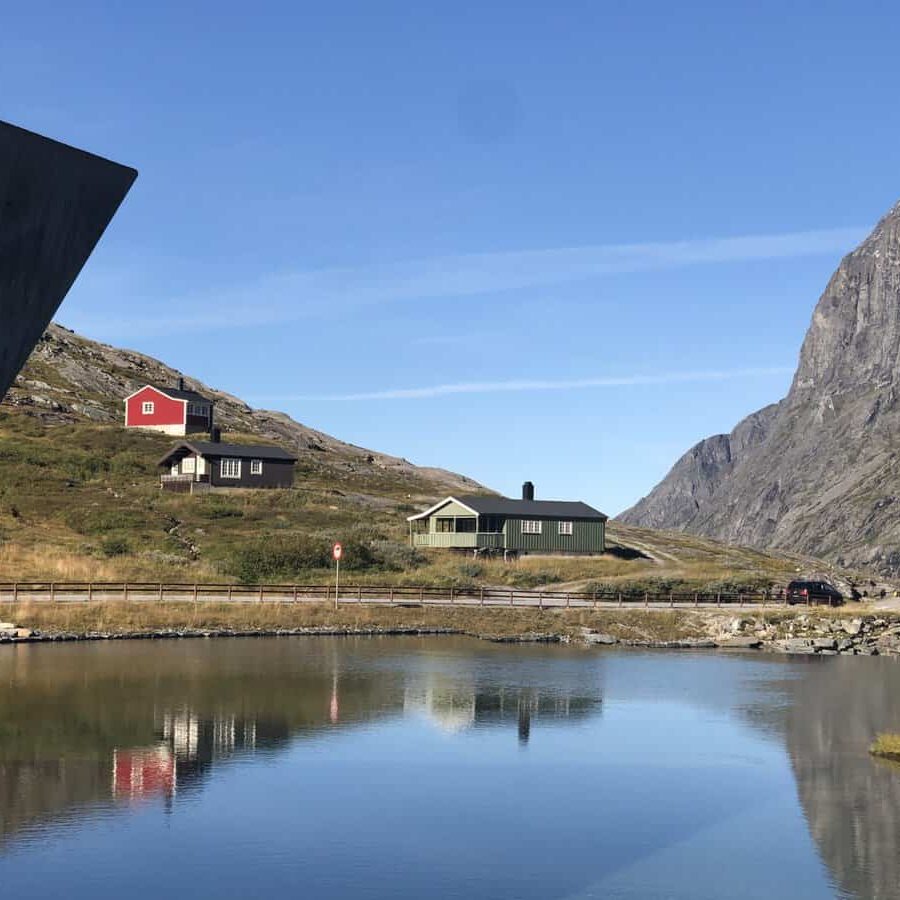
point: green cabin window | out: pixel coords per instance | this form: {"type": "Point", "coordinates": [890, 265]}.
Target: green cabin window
{"type": "Point", "coordinates": [565, 528]}
{"type": "Point", "coordinates": [531, 526]}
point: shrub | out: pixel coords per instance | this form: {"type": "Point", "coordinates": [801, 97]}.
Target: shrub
{"type": "Point", "coordinates": [93, 520]}
{"type": "Point", "coordinates": [217, 509]}
{"type": "Point", "coordinates": [114, 547]}
{"type": "Point", "coordinates": [394, 557]}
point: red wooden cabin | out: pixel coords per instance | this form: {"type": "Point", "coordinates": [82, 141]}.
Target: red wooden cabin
{"type": "Point", "coordinates": [169, 410]}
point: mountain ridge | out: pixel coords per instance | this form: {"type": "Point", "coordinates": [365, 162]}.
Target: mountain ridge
{"type": "Point", "coordinates": [818, 471]}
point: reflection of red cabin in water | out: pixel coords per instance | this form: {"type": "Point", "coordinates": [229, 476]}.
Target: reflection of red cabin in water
{"type": "Point", "coordinates": [170, 410]}
{"type": "Point", "coordinates": [143, 773]}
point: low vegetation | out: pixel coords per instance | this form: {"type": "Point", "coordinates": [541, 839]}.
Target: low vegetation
{"type": "Point", "coordinates": [887, 746]}
{"type": "Point", "coordinates": [81, 502]}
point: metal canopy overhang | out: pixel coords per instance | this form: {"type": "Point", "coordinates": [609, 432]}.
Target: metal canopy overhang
{"type": "Point", "coordinates": [55, 203]}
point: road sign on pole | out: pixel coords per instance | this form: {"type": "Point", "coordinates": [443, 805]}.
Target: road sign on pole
{"type": "Point", "coordinates": [337, 552]}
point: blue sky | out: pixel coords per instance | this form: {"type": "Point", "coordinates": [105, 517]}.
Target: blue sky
{"type": "Point", "coordinates": [556, 241]}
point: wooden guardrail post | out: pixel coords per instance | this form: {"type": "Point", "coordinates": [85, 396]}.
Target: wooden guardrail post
{"type": "Point", "coordinates": [719, 598]}
{"type": "Point", "coordinates": [359, 594]}
{"type": "Point", "coordinates": [16, 591]}
{"type": "Point", "coordinates": [125, 591]}
{"type": "Point", "coordinates": [481, 596]}
{"type": "Point", "coordinates": [52, 592]}
{"type": "Point", "coordinates": [646, 599]}
{"type": "Point", "coordinates": [451, 596]}
{"type": "Point", "coordinates": [195, 592]}
{"type": "Point", "coordinates": [620, 598]}
{"type": "Point", "coordinates": [160, 592]}
{"type": "Point", "coordinates": [260, 599]}
{"type": "Point", "coordinates": [392, 595]}
{"type": "Point", "coordinates": [541, 600]}
{"type": "Point", "coordinates": [671, 599]}
{"type": "Point", "coordinates": [90, 591]}
{"type": "Point", "coordinates": [512, 598]}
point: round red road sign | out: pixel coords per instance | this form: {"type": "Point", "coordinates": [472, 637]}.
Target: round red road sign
{"type": "Point", "coordinates": [337, 551]}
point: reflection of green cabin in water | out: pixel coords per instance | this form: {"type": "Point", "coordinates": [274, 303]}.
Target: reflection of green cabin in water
{"type": "Point", "coordinates": [499, 524]}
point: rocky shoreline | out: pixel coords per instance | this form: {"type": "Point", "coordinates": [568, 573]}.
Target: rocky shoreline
{"type": "Point", "coordinates": [866, 635]}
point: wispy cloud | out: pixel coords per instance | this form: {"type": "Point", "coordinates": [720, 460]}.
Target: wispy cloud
{"type": "Point", "coordinates": [527, 385]}
{"type": "Point", "coordinates": [290, 296]}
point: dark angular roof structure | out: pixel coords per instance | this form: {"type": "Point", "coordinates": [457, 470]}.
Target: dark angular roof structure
{"type": "Point", "coordinates": [216, 449]}
{"type": "Point", "coordinates": [55, 203]}
{"type": "Point", "coordinates": [554, 509]}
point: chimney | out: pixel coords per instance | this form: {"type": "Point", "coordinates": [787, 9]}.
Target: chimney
{"type": "Point", "coordinates": [216, 435]}
{"type": "Point", "coordinates": [528, 491]}
{"type": "Point", "coordinates": [180, 384]}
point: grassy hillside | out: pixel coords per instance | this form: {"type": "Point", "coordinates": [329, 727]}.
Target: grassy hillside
{"type": "Point", "coordinates": [81, 501]}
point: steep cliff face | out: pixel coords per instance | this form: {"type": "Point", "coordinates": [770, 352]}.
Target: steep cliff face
{"type": "Point", "coordinates": [818, 472]}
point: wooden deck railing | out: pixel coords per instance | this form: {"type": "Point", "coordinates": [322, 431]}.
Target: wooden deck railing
{"type": "Point", "coordinates": [400, 595]}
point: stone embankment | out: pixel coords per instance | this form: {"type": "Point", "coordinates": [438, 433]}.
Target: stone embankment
{"type": "Point", "coordinates": [809, 634]}
{"type": "Point", "coordinates": [868, 635]}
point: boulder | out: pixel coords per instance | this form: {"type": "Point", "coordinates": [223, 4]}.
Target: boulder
{"type": "Point", "coordinates": [853, 627]}
{"type": "Point", "coordinates": [825, 644]}
{"type": "Point", "coordinates": [795, 645]}
{"type": "Point", "coordinates": [740, 643]}
{"type": "Point", "coordinates": [593, 638]}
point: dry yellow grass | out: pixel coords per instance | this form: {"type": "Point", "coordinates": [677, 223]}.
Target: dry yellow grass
{"type": "Point", "coordinates": [125, 618]}
{"type": "Point", "coordinates": [887, 746]}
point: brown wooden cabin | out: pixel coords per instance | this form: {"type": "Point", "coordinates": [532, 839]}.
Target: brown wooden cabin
{"type": "Point", "coordinates": [193, 465]}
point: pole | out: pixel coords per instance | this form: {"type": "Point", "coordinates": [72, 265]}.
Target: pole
{"type": "Point", "coordinates": [337, 580]}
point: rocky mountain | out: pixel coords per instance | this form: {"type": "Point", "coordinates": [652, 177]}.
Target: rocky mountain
{"type": "Point", "coordinates": [70, 379]}
{"type": "Point", "coordinates": [818, 472]}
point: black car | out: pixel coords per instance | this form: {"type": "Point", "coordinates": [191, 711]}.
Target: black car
{"type": "Point", "coordinates": [813, 592]}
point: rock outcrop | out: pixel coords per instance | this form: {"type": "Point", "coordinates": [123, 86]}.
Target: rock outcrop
{"type": "Point", "coordinates": [819, 472]}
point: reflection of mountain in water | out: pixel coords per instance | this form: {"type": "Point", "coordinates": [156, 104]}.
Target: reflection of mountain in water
{"type": "Point", "coordinates": [89, 725]}
{"type": "Point", "coordinates": [852, 802]}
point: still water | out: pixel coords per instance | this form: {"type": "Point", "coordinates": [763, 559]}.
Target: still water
{"type": "Point", "coordinates": [443, 767]}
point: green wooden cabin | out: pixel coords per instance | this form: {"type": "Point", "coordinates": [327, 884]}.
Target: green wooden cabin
{"type": "Point", "coordinates": [499, 524]}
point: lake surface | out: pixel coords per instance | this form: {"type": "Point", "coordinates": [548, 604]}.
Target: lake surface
{"type": "Point", "coordinates": [442, 768]}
